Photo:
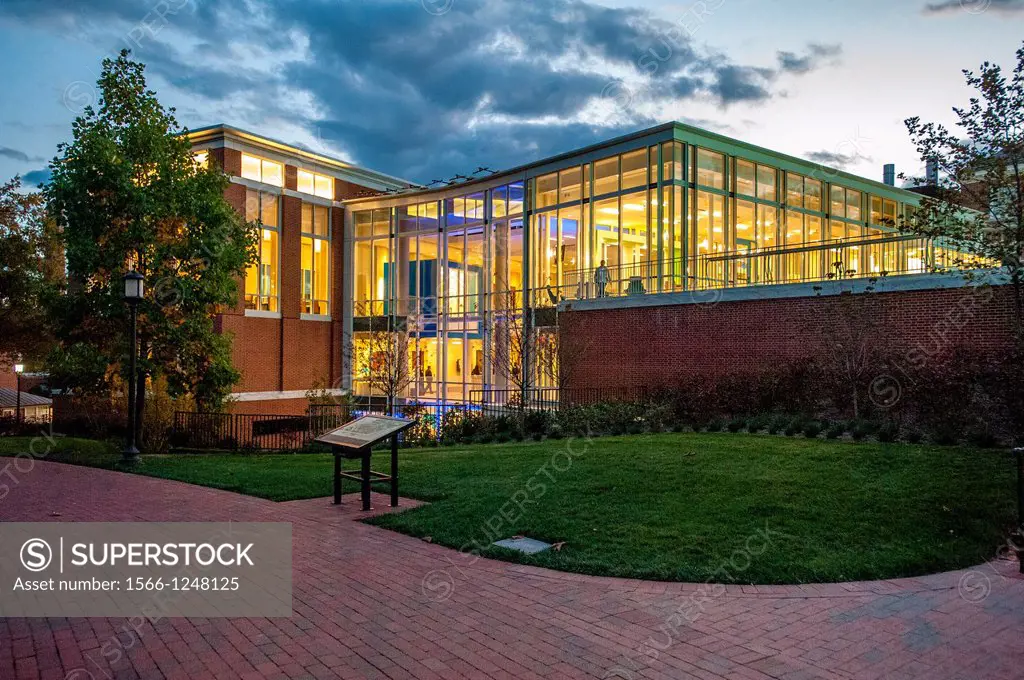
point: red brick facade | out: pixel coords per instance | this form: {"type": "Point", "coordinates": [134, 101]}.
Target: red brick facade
{"type": "Point", "coordinates": [660, 346]}
{"type": "Point", "coordinates": [286, 354]}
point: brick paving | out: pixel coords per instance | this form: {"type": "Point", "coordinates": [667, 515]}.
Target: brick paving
{"type": "Point", "coordinates": [373, 604]}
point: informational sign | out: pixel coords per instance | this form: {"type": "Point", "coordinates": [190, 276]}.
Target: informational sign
{"type": "Point", "coordinates": [365, 431]}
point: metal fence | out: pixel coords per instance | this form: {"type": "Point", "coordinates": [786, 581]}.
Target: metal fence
{"type": "Point", "coordinates": [494, 401]}
{"type": "Point", "coordinates": [255, 432]}
{"type": "Point", "coordinates": [267, 432]}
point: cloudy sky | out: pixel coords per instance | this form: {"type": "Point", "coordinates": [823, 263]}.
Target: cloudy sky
{"type": "Point", "coordinates": [424, 89]}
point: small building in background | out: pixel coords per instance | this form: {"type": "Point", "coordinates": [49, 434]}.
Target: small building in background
{"type": "Point", "coordinates": [34, 409]}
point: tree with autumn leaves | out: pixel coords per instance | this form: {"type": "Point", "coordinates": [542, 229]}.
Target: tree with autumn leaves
{"type": "Point", "coordinates": [127, 194]}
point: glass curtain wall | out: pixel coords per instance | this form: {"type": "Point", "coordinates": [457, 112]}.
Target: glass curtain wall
{"type": "Point", "coordinates": [463, 271]}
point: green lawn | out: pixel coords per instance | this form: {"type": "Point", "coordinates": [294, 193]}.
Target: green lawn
{"type": "Point", "coordinates": [670, 506]}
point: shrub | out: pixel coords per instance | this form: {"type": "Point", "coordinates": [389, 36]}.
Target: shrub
{"type": "Point", "coordinates": [835, 431]}
{"type": "Point", "coordinates": [537, 422]}
{"type": "Point", "coordinates": [812, 429]}
{"type": "Point", "coordinates": [888, 432]}
{"type": "Point", "coordinates": [914, 436]}
{"type": "Point", "coordinates": [795, 425]}
{"type": "Point", "coordinates": [736, 424]}
{"type": "Point", "coordinates": [945, 435]}
{"type": "Point", "coordinates": [777, 424]}
{"type": "Point", "coordinates": [859, 430]}
{"type": "Point", "coordinates": [715, 425]}
{"type": "Point", "coordinates": [982, 436]}
{"type": "Point", "coordinates": [758, 423]}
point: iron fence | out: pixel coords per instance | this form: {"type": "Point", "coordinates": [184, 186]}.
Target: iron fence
{"type": "Point", "coordinates": [498, 401]}
{"type": "Point", "coordinates": [255, 432]}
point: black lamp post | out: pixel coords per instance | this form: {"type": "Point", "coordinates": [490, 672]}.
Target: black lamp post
{"type": "Point", "coordinates": [1019, 536]}
{"type": "Point", "coordinates": [133, 289]}
{"type": "Point", "coordinates": [18, 370]}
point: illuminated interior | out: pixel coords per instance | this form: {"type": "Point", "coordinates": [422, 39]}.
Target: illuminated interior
{"type": "Point", "coordinates": [316, 260]}
{"type": "Point", "coordinates": [262, 278]}
{"type": "Point", "coordinates": [462, 268]}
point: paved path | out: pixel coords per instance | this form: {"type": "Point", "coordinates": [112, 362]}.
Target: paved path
{"type": "Point", "coordinates": [373, 604]}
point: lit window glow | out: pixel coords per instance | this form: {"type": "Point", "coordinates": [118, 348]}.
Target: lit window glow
{"type": "Point", "coordinates": [314, 184]}
{"type": "Point", "coordinates": [262, 170]}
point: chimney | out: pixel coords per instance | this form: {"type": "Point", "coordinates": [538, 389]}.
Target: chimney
{"type": "Point", "coordinates": [889, 174]}
{"type": "Point", "coordinates": [931, 173]}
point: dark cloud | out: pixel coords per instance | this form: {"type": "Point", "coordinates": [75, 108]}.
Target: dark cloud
{"type": "Point", "coordinates": [14, 154]}
{"type": "Point", "coordinates": [36, 177]}
{"type": "Point", "coordinates": [415, 93]}
{"type": "Point", "coordinates": [835, 159]}
{"type": "Point", "coordinates": [799, 64]}
{"type": "Point", "coordinates": [975, 6]}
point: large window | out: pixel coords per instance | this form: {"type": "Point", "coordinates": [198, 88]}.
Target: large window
{"type": "Point", "coordinates": [570, 185]}
{"type": "Point", "coordinates": [883, 211]}
{"type": "Point", "coordinates": [710, 169]}
{"type": "Point", "coordinates": [317, 185]}
{"type": "Point", "coordinates": [546, 193]}
{"type": "Point", "coordinates": [634, 169]}
{"type": "Point", "coordinates": [316, 259]}
{"type": "Point", "coordinates": [261, 279]}
{"type": "Point", "coordinates": [262, 170]}
{"type": "Point", "coordinates": [606, 176]}
{"type": "Point", "coordinates": [746, 178]}
{"type": "Point", "coordinates": [372, 257]}
{"type": "Point", "coordinates": [766, 183]}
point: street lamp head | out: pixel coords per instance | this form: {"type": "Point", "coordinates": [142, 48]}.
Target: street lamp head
{"type": "Point", "coordinates": [133, 286]}
{"type": "Point", "coordinates": [19, 368]}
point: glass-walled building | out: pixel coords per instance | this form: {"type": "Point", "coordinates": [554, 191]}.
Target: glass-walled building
{"type": "Point", "coordinates": [471, 276]}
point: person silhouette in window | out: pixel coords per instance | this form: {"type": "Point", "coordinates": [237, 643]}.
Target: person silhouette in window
{"type": "Point", "coordinates": [601, 277]}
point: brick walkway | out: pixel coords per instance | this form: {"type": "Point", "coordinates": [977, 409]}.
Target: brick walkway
{"type": "Point", "coordinates": [374, 604]}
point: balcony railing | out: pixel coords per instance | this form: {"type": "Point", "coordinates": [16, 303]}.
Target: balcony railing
{"type": "Point", "coordinates": [821, 261]}
{"type": "Point", "coordinates": [812, 262]}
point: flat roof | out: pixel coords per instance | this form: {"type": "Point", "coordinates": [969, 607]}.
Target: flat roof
{"type": "Point", "coordinates": [221, 130]}
{"type": "Point", "coordinates": [679, 131]}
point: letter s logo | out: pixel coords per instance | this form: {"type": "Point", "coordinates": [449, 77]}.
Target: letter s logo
{"type": "Point", "coordinates": [36, 554]}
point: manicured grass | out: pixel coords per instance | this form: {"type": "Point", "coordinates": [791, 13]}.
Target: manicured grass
{"type": "Point", "coordinates": [672, 506]}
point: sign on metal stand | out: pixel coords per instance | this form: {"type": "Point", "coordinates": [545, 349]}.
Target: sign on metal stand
{"type": "Point", "coordinates": [356, 440]}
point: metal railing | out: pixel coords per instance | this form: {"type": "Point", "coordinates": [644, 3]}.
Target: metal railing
{"type": "Point", "coordinates": [492, 401]}
{"type": "Point", "coordinates": [255, 432]}
{"type": "Point", "coordinates": [819, 261]}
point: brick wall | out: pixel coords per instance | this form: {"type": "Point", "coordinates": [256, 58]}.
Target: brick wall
{"type": "Point", "coordinates": [270, 407]}
{"type": "Point", "coordinates": [287, 353]}
{"type": "Point", "coordinates": [660, 346]}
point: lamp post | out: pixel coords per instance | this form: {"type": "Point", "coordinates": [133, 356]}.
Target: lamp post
{"type": "Point", "coordinates": [1019, 537]}
{"type": "Point", "coordinates": [133, 289]}
{"type": "Point", "coordinates": [18, 370]}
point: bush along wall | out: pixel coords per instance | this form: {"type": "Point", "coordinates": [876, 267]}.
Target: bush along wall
{"type": "Point", "coordinates": [955, 398]}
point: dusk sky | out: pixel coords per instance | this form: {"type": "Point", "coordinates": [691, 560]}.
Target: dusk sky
{"type": "Point", "coordinates": [423, 89]}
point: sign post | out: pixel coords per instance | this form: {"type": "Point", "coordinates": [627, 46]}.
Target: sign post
{"type": "Point", "coordinates": [356, 440]}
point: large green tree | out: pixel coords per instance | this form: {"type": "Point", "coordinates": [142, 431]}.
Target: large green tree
{"type": "Point", "coordinates": [29, 265]}
{"type": "Point", "coordinates": [127, 193]}
{"type": "Point", "coordinates": [981, 167]}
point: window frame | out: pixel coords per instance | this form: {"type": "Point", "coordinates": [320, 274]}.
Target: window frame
{"type": "Point", "coordinates": [265, 303]}
{"type": "Point", "coordinates": [310, 303]}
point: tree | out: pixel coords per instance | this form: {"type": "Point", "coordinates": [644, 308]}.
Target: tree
{"type": "Point", "coordinates": [510, 348]}
{"type": "Point", "coordinates": [383, 358]}
{"type": "Point", "coordinates": [126, 194]}
{"type": "Point", "coordinates": [29, 264]}
{"type": "Point", "coordinates": [854, 342]}
{"type": "Point", "coordinates": [981, 168]}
